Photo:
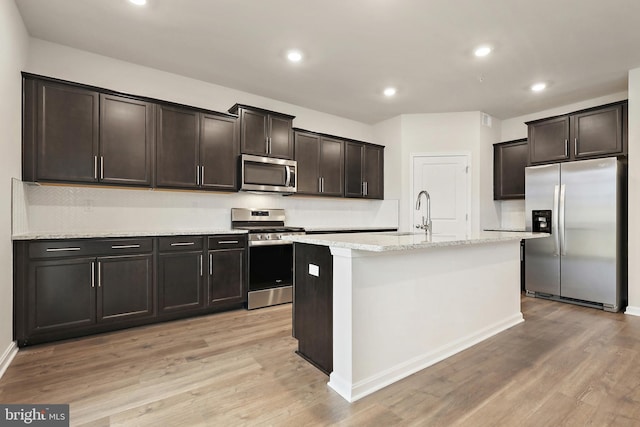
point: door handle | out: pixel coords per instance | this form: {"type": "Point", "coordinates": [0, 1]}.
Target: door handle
{"type": "Point", "coordinates": [197, 175]}
{"type": "Point", "coordinates": [95, 167]}
{"type": "Point", "coordinates": [101, 167]}
{"type": "Point", "coordinates": [554, 221]}
{"type": "Point", "coordinates": [319, 185]}
{"type": "Point", "coordinates": [210, 264]}
{"type": "Point", "coordinates": [93, 274]}
{"type": "Point", "coordinates": [287, 168]}
{"type": "Point", "coordinates": [200, 265]}
{"type": "Point", "coordinates": [99, 274]}
{"type": "Point", "coordinates": [575, 146]}
{"type": "Point", "coordinates": [563, 242]}
{"type": "Point", "coordinates": [183, 244]}
{"type": "Point", "coordinates": [124, 246]}
{"type": "Point", "coordinates": [566, 148]}
{"type": "Point", "coordinates": [201, 175]}
{"type": "Point", "coordinates": [227, 242]}
{"type": "Point", "coordinates": [62, 249]}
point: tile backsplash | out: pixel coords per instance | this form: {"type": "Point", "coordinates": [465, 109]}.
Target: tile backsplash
{"type": "Point", "coordinates": [52, 208]}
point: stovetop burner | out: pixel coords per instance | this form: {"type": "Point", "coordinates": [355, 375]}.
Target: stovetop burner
{"type": "Point", "coordinates": [265, 226]}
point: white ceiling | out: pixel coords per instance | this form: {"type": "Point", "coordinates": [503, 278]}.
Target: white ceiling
{"type": "Point", "coordinates": [355, 48]}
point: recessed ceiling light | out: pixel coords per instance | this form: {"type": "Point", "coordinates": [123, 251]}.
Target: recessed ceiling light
{"type": "Point", "coordinates": [139, 2]}
{"type": "Point", "coordinates": [538, 87]}
{"type": "Point", "coordinates": [294, 56]}
{"type": "Point", "coordinates": [390, 91]}
{"type": "Point", "coordinates": [482, 51]}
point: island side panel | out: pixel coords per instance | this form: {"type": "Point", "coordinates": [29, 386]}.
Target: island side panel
{"type": "Point", "coordinates": [411, 309]}
{"type": "Point", "coordinates": [313, 304]}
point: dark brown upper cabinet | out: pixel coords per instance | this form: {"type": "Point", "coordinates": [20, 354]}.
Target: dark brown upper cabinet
{"type": "Point", "coordinates": [364, 170]}
{"type": "Point", "coordinates": [591, 133]}
{"type": "Point", "coordinates": [509, 161]}
{"type": "Point", "coordinates": [320, 164]}
{"type": "Point", "coordinates": [74, 134]}
{"type": "Point", "coordinates": [264, 132]}
{"type": "Point", "coordinates": [126, 140]}
{"type": "Point", "coordinates": [196, 150]}
{"type": "Point", "coordinates": [60, 132]}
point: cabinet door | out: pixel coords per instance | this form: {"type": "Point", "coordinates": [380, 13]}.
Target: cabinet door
{"type": "Point", "coordinates": [549, 140]}
{"type": "Point", "coordinates": [307, 154]}
{"type": "Point", "coordinates": [373, 172]}
{"type": "Point", "coordinates": [253, 132]}
{"type": "Point", "coordinates": [353, 169]}
{"type": "Point", "coordinates": [125, 287]}
{"type": "Point", "coordinates": [180, 281]}
{"type": "Point", "coordinates": [227, 276]}
{"type": "Point", "coordinates": [280, 141]}
{"type": "Point", "coordinates": [177, 147]}
{"type": "Point", "coordinates": [218, 152]}
{"type": "Point", "coordinates": [509, 162]}
{"type": "Point", "coordinates": [67, 133]}
{"type": "Point", "coordinates": [597, 133]}
{"type": "Point", "coordinates": [313, 305]}
{"type": "Point", "coordinates": [61, 294]}
{"type": "Point", "coordinates": [126, 140]}
{"type": "Point", "coordinates": [332, 166]}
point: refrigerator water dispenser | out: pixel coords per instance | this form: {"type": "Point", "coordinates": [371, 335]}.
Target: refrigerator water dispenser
{"type": "Point", "coordinates": [541, 221]}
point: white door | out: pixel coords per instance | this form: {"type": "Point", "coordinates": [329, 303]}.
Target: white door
{"type": "Point", "coordinates": [446, 179]}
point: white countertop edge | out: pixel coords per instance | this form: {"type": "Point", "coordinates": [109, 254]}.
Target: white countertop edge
{"type": "Point", "coordinates": [353, 228]}
{"type": "Point", "coordinates": [381, 242]}
{"type": "Point", "coordinates": [107, 234]}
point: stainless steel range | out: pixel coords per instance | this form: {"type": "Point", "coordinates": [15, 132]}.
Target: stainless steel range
{"type": "Point", "coordinates": [270, 257]}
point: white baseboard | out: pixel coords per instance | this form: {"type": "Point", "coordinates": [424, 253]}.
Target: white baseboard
{"type": "Point", "coordinates": [7, 357]}
{"type": "Point", "coordinates": [634, 311]}
{"type": "Point", "coordinates": [353, 392]}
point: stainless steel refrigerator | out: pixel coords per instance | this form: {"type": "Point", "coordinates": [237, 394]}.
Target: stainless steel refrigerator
{"type": "Point", "coordinates": [582, 204]}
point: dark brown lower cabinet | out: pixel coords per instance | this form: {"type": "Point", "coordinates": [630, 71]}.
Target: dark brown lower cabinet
{"type": "Point", "coordinates": [61, 294]}
{"type": "Point", "coordinates": [125, 287]}
{"type": "Point", "coordinates": [69, 288]}
{"type": "Point", "coordinates": [313, 304]}
{"type": "Point", "coordinates": [180, 281]}
{"type": "Point", "coordinates": [227, 276]}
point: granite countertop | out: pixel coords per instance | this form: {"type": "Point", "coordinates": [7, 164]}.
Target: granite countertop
{"type": "Point", "coordinates": [107, 234]}
{"type": "Point", "coordinates": [402, 241]}
{"type": "Point", "coordinates": [346, 229]}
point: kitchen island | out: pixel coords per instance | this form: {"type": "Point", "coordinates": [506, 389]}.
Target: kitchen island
{"type": "Point", "coordinates": [400, 302]}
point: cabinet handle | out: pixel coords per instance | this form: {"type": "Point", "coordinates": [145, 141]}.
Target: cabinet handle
{"type": "Point", "coordinates": [566, 147]}
{"type": "Point", "coordinates": [266, 142]}
{"type": "Point", "coordinates": [322, 184]}
{"type": "Point", "coordinates": [93, 274]}
{"type": "Point", "coordinates": [227, 242]}
{"type": "Point", "coordinates": [101, 167]}
{"type": "Point", "coordinates": [197, 175]}
{"type": "Point", "coordinates": [183, 244]}
{"type": "Point", "coordinates": [95, 167]}
{"type": "Point", "coordinates": [575, 146]}
{"type": "Point", "coordinates": [200, 265]}
{"type": "Point", "coordinates": [210, 264]}
{"type": "Point", "coordinates": [124, 246]}
{"type": "Point", "coordinates": [99, 274]}
{"type": "Point", "coordinates": [201, 175]}
{"type": "Point", "coordinates": [62, 249]}
{"type": "Point", "coordinates": [319, 185]}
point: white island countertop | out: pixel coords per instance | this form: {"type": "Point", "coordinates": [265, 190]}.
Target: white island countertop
{"type": "Point", "coordinates": [402, 241]}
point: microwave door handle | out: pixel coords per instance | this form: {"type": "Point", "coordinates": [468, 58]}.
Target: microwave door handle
{"type": "Point", "coordinates": [288, 169]}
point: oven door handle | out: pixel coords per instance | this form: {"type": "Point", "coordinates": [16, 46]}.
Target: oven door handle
{"type": "Point", "coordinates": [269, 242]}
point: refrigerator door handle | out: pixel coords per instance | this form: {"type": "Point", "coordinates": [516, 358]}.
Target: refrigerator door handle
{"type": "Point", "coordinates": [563, 243]}
{"type": "Point", "coordinates": [554, 221]}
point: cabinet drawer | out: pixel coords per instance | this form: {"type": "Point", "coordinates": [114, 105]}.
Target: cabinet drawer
{"type": "Point", "coordinates": [180, 243]}
{"type": "Point", "coordinates": [88, 247]}
{"type": "Point", "coordinates": [123, 246]}
{"type": "Point", "coordinates": [60, 248]}
{"type": "Point", "coordinates": [227, 241]}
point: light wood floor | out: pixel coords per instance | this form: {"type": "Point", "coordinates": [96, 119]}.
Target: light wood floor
{"type": "Point", "coordinates": [565, 365]}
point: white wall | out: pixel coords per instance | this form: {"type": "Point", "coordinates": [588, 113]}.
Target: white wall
{"type": "Point", "coordinates": [440, 133]}
{"type": "Point", "coordinates": [14, 43]}
{"type": "Point", "coordinates": [634, 196]}
{"type": "Point", "coordinates": [512, 211]}
{"type": "Point", "coordinates": [389, 134]}
{"type": "Point", "coordinates": [80, 66]}
{"type": "Point", "coordinates": [490, 210]}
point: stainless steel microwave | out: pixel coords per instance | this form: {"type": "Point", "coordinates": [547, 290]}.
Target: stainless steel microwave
{"type": "Point", "coordinates": [267, 174]}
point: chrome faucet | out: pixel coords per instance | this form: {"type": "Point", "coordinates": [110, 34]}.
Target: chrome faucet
{"type": "Point", "coordinates": [426, 224]}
